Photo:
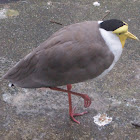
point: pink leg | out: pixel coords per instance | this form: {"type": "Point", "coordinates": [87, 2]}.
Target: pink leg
{"type": "Point", "coordinates": [87, 102]}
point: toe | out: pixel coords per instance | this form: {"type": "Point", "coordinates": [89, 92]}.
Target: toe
{"type": "Point", "coordinates": [72, 117]}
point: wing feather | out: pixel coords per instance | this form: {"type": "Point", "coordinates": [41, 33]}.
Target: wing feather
{"type": "Point", "coordinates": [73, 54]}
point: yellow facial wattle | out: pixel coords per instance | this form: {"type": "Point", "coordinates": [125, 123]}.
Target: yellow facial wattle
{"type": "Point", "coordinates": [122, 39]}
{"type": "Point", "coordinates": [123, 34]}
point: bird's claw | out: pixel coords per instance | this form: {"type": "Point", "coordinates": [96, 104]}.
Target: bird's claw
{"type": "Point", "coordinates": [87, 100]}
{"type": "Point", "coordinates": [72, 115]}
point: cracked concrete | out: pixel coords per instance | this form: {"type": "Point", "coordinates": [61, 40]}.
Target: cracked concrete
{"type": "Point", "coordinates": [34, 114]}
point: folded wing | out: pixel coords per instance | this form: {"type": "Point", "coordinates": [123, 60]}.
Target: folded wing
{"type": "Point", "coordinates": [73, 54]}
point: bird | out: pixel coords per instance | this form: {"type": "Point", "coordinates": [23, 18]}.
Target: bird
{"type": "Point", "coordinates": [75, 53]}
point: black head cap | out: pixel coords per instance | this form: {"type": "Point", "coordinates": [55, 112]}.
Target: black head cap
{"type": "Point", "coordinates": [111, 25]}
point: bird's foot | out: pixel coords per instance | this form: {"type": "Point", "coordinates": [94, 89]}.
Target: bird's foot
{"type": "Point", "coordinates": [87, 100]}
{"type": "Point", "coordinates": [72, 115]}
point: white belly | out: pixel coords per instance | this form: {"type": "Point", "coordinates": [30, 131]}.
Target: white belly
{"type": "Point", "coordinates": [115, 46]}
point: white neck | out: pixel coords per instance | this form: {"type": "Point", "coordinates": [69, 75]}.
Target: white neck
{"type": "Point", "coordinates": [100, 21]}
{"type": "Point", "coordinates": [113, 42]}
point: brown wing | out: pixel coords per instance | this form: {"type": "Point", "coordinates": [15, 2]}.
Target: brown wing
{"type": "Point", "coordinates": [73, 54]}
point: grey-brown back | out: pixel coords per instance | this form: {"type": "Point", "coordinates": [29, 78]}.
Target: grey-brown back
{"type": "Point", "coordinates": [73, 54]}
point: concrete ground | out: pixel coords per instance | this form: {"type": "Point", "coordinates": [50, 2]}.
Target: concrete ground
{"type": "Point", "coordinates": [34, 114]}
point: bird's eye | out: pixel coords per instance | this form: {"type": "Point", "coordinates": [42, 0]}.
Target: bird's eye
{"type": "Point", "coordinates": [120, 33]}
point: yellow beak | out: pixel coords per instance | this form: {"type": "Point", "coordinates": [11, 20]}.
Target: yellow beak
{"type": "Point", "coordinates": [131, 36]}
{"type": "Point", "coordinates": [126, 35]}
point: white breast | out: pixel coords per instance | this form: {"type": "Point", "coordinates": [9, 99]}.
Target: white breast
{"type": "Point", "coordinates": [114, 44]}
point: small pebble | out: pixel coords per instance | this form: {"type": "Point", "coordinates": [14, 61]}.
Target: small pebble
{"type": "Point", "coordinates": [96, 3]}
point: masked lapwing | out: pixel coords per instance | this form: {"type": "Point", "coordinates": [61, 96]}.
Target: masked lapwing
{"type": "Point", "coordinates": [75, 53]}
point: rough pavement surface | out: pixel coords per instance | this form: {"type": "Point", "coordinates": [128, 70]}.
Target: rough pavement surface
{"type": "Point", "coordinates": [34, 114]}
